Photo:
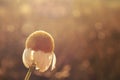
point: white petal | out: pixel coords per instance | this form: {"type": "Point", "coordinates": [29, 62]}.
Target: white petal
{"type": "Point", "coordinates": [27, 55]}
{"type": "Point", "coordinates": [53, 61]}
{"type": "Point", "coordinates": [42, 60]}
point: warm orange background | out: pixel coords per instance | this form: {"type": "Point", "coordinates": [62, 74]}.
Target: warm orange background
{"type": "Point", "coordinates": [86, 33]}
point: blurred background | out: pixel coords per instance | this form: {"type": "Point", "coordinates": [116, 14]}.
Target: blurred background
{"type": "Point", "coordinates": [86, 33]}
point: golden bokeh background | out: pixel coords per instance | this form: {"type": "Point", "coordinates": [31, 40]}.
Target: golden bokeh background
{"type": "Point", "coordinates": [86, 33]}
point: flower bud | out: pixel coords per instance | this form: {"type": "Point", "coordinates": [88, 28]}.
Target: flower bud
{"type": "Point", "coordinates": [39, 50]}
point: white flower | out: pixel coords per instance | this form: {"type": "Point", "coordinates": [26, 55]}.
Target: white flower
{"type": "Point", "coordinates": [41, 59]}
{"type": "Point", "coordinates": [39, 51]}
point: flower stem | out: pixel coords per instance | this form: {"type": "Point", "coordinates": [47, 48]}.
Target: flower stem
{"type": "Point", "coordinates": [31, 69]}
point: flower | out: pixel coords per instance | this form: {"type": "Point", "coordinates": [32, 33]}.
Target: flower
{"type": "Point", "coordinates": [39, 51]}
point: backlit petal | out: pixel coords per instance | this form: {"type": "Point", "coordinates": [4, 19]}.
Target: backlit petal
{"type": "Point", "coordinates": [42, 60]}
{"type": "Point", "coordinates": [53, 61]}
{"type": "Point", "coordinates": [27, 61]}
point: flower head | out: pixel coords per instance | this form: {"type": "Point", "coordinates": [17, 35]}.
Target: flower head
{"type": "Point", "coordinates": [39, 49]}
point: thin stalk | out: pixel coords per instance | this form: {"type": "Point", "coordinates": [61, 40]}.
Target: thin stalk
{"type": "Point", "coordinates": [31, 69]}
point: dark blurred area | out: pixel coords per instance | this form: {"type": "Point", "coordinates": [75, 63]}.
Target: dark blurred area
{"type": "Point", "coordinates": [86, 33]}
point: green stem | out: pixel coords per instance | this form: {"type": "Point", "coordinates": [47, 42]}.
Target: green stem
{"type": "Point", "coordinates": [31, 69]}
